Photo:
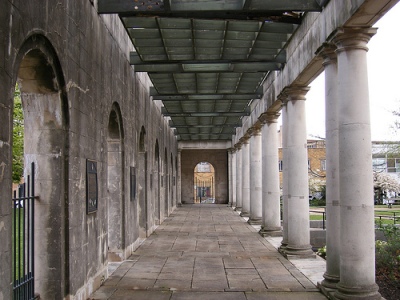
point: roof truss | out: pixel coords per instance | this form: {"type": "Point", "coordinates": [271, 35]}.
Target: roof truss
{"type": "Point", "coordinates": [207, 59]}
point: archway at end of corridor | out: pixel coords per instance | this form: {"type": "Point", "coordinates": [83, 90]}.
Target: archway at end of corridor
{"type": "Point", "coordinates": [204, 183]}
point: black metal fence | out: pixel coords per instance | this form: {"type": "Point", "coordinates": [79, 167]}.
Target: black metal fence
{"type": "Point", "coordinates": [23, 238]}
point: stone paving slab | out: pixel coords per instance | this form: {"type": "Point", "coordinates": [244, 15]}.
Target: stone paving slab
{"type": "Point", "coordinates": [207, 252]}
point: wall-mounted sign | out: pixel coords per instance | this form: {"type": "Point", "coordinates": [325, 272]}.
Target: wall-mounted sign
{"type": "Point", "coordinates": [91, 186]}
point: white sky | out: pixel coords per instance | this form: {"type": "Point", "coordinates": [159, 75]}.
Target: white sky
{"type": "Point", "coordinates": [384, 82]}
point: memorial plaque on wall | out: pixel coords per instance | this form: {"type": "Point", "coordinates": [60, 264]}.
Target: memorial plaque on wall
{"type": "Point", "coordinates": [91, 186]}
{"type": "Point", "coordinates": [133, 183]}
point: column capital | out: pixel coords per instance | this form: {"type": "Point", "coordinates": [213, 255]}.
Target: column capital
{"type": "Point", "coordinates": [283, 98]}
{"type": "Point", "coordinates": [244, 139]}
{"type": "Point", "coordinates": [269, 117]}
{"type": "Point", "coordinates": [327, 52]}
{"type": "Point", "coordinates": [255, 129]}
{"type": "Point", "coordinates": [295, 92]}
{"type": "Point", "coordinates": [231, 150]}
{"type": "Point", "coordinates": [352, 38]}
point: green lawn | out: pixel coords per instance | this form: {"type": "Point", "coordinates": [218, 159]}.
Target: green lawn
{"type": "Point", "coordinates": [18, 227]}
{"type": "Point", "coordinates": [386, 213]}
{"type": "Point", "coordinates": [316, 217]}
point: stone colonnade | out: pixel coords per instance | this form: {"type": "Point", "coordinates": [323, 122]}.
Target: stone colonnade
{"type": "Point", "coordinates": [350, 271]}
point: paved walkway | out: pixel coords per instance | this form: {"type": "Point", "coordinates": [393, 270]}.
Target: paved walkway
{"type": "Point", "coordinates": [207, 252]}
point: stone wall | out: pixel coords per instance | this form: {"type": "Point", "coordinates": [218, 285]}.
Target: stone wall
{"type": "Point", "coordinates": [82, 101]}
{"type": "Point", "coordinates": [219, 160]}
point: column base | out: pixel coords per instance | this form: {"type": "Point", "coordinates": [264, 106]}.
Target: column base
{"type": "Point", "coordinates": [299, 252]}
{"type": "Point", "coordinates": [328, 286]}
{"type": "Point", "coordinates": [238, 208]}
{"type": "Point", "coordinates": [363, 292]}
{"type": "Point", "coordinates": [270, 231]}
{"type": "Point", "coordinates": [245, 214]}
{"type": "Point", "coordinates": [179, 205]}
{"type": "Point", "coordinates": [329, 282]}
{"type": "Point", "coordinates": [282, 248]}
{"type": "Point", "coordinates": [327, 292]}
{"type": "Point", "coordinates": [255, 221]}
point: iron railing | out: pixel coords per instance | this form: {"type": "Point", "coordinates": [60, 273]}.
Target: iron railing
{"type": "Point", "coordinates": [23, 239]}
{"type": "Point", "coordinates": [323, 216]}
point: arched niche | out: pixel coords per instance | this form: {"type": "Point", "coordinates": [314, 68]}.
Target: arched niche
{"type": "Point", "coordinates": [46, 124]}
{"type": "Point", "coordinates": [115, 185]}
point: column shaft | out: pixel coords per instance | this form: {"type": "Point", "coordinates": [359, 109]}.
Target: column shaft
{"type": "Point", "coordinates": [234, 183]}
{"type": "Point", "coordinates": [230, 177]}
{"type": "Point", "coordinates": [239, 178]}
{"type": "Point", "coordinates": [332, 274]}
{"type": "Point", "coordinates": [297, 160]}
{"type": "Point", "coordinates": [255, 178]}
{"type": "Point", "coordinates": [245, 179]}
{"type": "Point", "coordinates": [357, 233]}
{"type": "Point", "coordinates": [285, 176]}
{"type": "Point", "coordinates": [271, 217]}
{"type": "Point", "coordinates": [178, 180]}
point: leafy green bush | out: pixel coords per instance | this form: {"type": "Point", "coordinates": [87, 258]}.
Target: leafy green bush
{"type": "Point", "coordinates": [318, 202]}
{"type": "Point", "coordinates": [322, 252]}
{"type": "Point", "coordinates": [388, 254]}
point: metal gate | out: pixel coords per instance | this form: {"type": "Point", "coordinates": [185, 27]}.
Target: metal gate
{"type": "Point", "coordinates": [23, 210]}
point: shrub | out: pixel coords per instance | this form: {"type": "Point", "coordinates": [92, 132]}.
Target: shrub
{"type": "Point", "coordinates": [388, 254]}
{"type": "Point", "coordinates": [322, 252]}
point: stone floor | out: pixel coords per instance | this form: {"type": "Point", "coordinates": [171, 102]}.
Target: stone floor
{"type": "Point", "coordinates": [207, 251]}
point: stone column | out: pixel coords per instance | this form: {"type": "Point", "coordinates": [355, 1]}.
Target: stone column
{"type": "Point", "coordinates": [238, 177]}
{"type": "Point", "coordinates": [178, 180]}
{"type": "Point", "coordinates": [245, 178]}
{"type": "Point", "coordinates": [332, 274]}
{"type": "Point", "coordinates": [285, 174]}
{"type": "Point", "coordinates": [255, 176]}
{"type": "Point", "coordinates": [234, 183]}
{"type": "Point", "coordinates": [297, 161]}
{"type": "Point", "coordinates": [357, 234]}
{"type": "Point", "coordinates": [230, 177]}
{"type": "Point", "coordinates": [271, 210]}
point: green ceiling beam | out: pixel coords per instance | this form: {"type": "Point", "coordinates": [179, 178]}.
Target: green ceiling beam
{"type": "Point", "coordinates": [245, 67]}
{"type": "Point", "coordinates": [227, 125]}
{"type": "Point", "coordinates": [246, 112]}
{"type": "Point", "coordinates": [137, 61]}
{"type": "Point", "coordinates": [221, 96]}
{"type": "Point", "coordinates": [199, 97]}
{"type": "Point", "coordinates": [211, 8]}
